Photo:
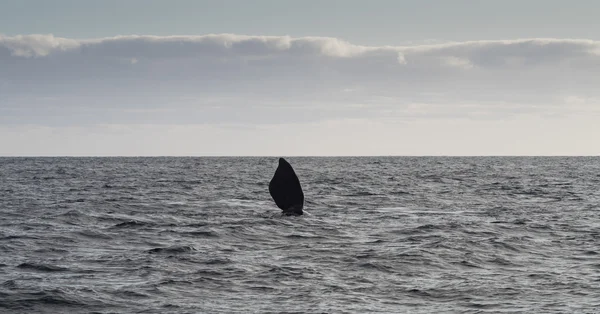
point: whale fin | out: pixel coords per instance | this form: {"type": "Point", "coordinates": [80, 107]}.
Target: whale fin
{"type": "Point", "coordinates": [285, 189]}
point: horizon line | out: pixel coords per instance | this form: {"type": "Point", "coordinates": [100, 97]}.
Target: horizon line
{"type": "Point", "coordinates": [273, 156]}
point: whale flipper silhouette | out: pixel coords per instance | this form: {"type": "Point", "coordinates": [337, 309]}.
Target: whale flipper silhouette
{"type": "Point", "coordinates": [285, 189]}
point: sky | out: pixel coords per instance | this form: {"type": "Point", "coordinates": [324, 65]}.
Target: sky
{"type": "Point", "coordinates": [299, 78]}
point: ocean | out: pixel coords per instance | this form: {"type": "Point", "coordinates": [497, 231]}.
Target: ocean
{"type": "Point", "coordinates": [381, 235]}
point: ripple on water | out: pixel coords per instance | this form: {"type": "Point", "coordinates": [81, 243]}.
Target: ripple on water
{"type": "Point", "coordinates": [384, 235]}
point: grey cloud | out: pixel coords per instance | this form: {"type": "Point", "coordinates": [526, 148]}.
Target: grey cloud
{"type": "Point", "coordinates": [132, 79]}
{"type": "Point", "coordinates": [511, 52]}
{"type": "Point", "coordinates": [231, 45]}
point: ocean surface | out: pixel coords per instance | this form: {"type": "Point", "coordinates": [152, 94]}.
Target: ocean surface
{"type": "Point", "coordinates": [382, 235]}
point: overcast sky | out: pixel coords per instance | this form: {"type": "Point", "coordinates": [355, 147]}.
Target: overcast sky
{"type": "Point", "coordinates": [283, 78]}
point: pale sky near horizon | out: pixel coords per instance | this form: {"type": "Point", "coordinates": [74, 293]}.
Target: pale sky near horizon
{"type": "Point", "coordinates": [282, 78]}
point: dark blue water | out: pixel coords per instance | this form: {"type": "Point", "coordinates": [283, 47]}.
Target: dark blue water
{"type": "Point", "coordinates": [383, 235]}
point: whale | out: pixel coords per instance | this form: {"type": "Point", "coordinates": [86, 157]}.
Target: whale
{"type": "Point", "coordinates": [285, 189]}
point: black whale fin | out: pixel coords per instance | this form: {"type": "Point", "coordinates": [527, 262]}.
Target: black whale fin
{"type": "Point", "coordinates": [286, 190]}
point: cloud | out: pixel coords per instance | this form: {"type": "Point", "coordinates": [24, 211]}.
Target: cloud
{"type": "Point", "coordinates": [480, 53]}
{"type": "Point", "coordinates": [222, 45]}
{"type": "Point", "coordinates": [36, 45]}
{"type": "Point", "coordinates": [503, 52]}
{"type": "Point", "coordinates": [261, 80]}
